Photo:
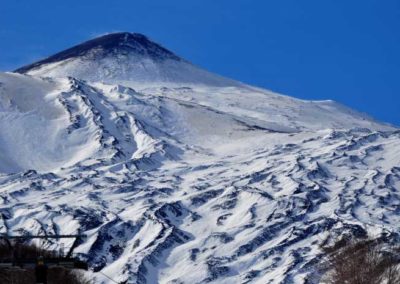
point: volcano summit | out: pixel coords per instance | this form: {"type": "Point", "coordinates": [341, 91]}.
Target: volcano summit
{"type": "Point", "coordinates": [122, 57]}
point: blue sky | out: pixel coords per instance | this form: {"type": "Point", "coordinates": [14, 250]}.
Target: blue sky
{"type": "Point", "coordinates": [345, 50]}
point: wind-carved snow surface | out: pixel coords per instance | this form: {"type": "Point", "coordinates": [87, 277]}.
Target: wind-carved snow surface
{"type": "Point", "coordinates": [184, 182]}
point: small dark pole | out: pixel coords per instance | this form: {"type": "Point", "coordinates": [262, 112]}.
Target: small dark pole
{"type": "Point", "coordinates": [41, 271]}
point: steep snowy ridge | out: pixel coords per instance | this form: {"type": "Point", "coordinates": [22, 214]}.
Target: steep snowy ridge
{"type": "Point", "coordinates": [176, 175]}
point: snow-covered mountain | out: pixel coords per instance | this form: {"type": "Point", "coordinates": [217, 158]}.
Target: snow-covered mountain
{"type": "Point", "coordinates": [178, 175]}
{"type": "Point", "coordinates": [123, 58]}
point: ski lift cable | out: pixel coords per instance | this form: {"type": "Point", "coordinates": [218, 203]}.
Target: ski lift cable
{"type": "Point", "coordinates": [109, 277]}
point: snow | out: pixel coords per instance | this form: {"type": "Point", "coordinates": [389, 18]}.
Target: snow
{"type": "Point", "coordinates": [176, 175]}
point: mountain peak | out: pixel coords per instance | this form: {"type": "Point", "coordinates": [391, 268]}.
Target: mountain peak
{"type": "Point", "coordinates": [133, 42]}
{"type": "Point", "coordinates": [109, 44]}
{"type": "Point", "coordinates": [123, 57]}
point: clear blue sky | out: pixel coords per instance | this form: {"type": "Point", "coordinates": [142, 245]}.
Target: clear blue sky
{"type": "Point", "coordinates": [346, 50]}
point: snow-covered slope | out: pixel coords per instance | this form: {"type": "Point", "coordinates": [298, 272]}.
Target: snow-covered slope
{"type": "Point", "coordinates": [177, 175]}
{"type": "Point", "coordinates": [132, 60]}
